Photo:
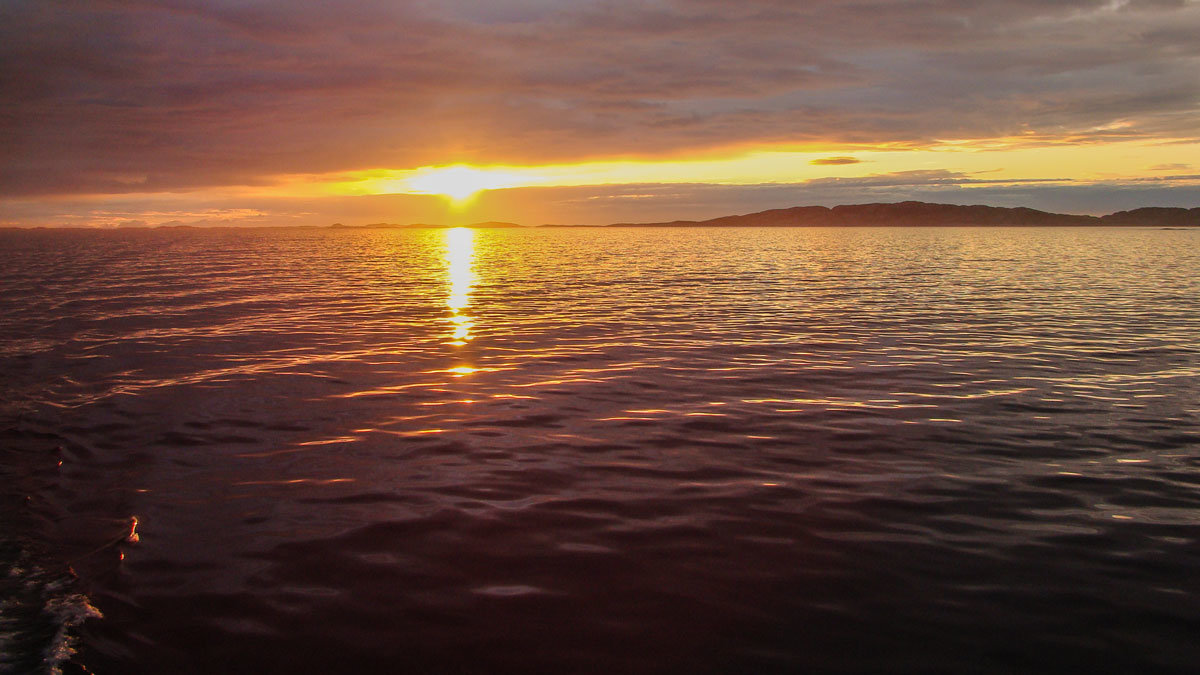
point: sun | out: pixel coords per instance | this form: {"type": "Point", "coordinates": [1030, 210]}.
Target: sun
{"type": "Point", "coordinates": [460, 183]}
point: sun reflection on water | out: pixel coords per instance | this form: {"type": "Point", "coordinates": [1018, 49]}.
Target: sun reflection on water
{"type": "Point", "coordinates": [460, 256]}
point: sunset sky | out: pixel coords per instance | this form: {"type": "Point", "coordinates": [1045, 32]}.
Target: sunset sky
{"type": "Point", "coordinates": [233, 112]}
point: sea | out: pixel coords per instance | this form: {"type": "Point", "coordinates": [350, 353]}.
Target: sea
{"type": "Point", "coordinates": [600, 450]}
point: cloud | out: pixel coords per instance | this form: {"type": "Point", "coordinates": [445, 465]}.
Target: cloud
{"type": "Point", "coordinates": [132, 96]}
{"type": "Point", "coordinates": [1171, 167]}
{"type": "Point", "coordinates": [835, 161]}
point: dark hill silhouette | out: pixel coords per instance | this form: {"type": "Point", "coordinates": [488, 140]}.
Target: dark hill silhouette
{"type": "Point", "coordinates": [916, 214]}
{"type": "Point", "coordinates": [1155, 215]}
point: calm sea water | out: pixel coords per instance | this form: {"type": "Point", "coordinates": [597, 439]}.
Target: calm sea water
{"type": "Point", "coordinates": [600, 450]}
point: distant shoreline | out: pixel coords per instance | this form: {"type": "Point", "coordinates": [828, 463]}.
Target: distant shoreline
{"type": "Point", "coordinates": [925, 214]}
{"type": "Point", "coordinates": [898, 214]}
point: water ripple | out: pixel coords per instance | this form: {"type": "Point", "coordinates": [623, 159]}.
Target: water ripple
{"type": "Point", "coordinates": [717, 450]}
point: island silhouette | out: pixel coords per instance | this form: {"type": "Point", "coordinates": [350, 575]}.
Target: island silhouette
{"type": "Point", "coordinates": [884, 214]}
{"type": "Point", "coordinates": [925, 214]}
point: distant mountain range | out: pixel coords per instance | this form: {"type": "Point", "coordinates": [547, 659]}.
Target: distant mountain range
{"type": "Point", "coordinates": [917, 214]}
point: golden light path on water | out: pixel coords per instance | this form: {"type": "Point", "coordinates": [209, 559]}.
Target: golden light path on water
{"type": "Point", "coordinates": [460, 273]}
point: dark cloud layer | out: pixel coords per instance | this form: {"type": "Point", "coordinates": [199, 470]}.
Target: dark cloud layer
{"type": "Point", "coordinates": [134, 96]}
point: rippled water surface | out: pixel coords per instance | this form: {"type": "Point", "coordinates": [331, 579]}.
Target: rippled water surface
{"type": "Point", "coordinates": [600, 450]}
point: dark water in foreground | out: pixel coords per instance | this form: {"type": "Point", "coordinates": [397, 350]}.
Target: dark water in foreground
{"type": "Point", "coordinates": [617, 451]}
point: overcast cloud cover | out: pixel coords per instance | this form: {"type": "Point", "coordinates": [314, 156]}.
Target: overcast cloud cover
{"type": "Point", "coordinates": [129, 97]}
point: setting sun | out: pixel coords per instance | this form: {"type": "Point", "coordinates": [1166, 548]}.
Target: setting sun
{"type": "Point", "coordinates": [460, 183]}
